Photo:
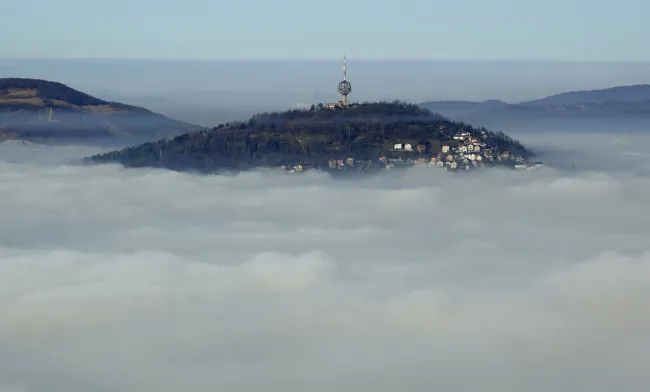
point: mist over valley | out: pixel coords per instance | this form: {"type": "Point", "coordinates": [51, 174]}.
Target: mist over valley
{"type": "Point", "coordinates": [117, 278]}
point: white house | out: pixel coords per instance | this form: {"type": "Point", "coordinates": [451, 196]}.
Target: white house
{"type": "Point", "coordinates": [398, 146]}
{"type": "Point", "coordinates": [477, 148]}
{"type": "Point", "coordinates": [408, 147]}
{"type": "Point", "coordinates": [470, 148]}
{"type": "Point", "coordinates": [453, 165]}
{"type": "Point", "coordinates": [445, 148]}
{"type": "Point", "coordinates": [462, 149]}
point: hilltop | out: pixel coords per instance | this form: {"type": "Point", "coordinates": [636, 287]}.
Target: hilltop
{"type": "Point", "coordinates": [41, 110]}
{"type": "Point", "coordinates": [373, 135]}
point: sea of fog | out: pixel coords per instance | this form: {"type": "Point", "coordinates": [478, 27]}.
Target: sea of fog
{"type": "Point", "coordinates": [116, 279]}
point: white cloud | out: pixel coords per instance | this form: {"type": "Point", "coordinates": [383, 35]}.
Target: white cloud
{"type": "Point", "coordinates": [130, 280]}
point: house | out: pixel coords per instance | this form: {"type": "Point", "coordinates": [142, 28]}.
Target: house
{"type": "Point", "coordinates": [462, 149]}
{"type": "Point", "coordinates": [445, 148]}
{"type": "Point", "coordinates": [470, 148]}
{"type": "Point", "coordinates": [477, 148]}
{"type": "Point", "coordinates": [449, 157]}
{"type": "Point", "coordinates": [350, 161]}
{"type": "Point", "coordinates": [408, 147]}
{"type": "Point", "coordinates": [398, 147]}
{"type": "Point", "coordinates": [440, 164]}
{"type": "Point", "coordinates": [298, 168]}
{"type": "Point", "coordinates": [331, 163]}
{"type": "Point", "coordinates": [434, 159]}
{"type": "Point", "coordinates": [453, 165]}
{"type": "Point", "coordinates": [421, 148]}
{"type": "Point", "coordinates": [340, 163]}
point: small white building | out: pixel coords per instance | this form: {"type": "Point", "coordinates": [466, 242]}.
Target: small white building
{"type": "Point", "coordinates": [462, 149]}
{"type": "Point", "coordinates": [445, 148]}
{"type": "Point", "coordinates": [398, 146]}
{"type": "Point", "coordinates": [408, 147]}
{"type": "Point", "coordinates": [470, 148]}
{"type": "Point", "coordinates": [453, 165]}
{"type": "Point", "coordinates": [477, 148]}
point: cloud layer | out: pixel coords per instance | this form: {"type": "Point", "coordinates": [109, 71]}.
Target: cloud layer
{"type": "Point", "coordinates": [131, 280]}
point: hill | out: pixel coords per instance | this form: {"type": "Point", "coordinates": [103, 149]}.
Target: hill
{"type": "Point", "coordinates": [607, 108]}
{"type": "Point", "coordinates": [34, 109]}
{"type": "Point", "coordinates": [372, 134]}
{"type": "Point", "coordinates": [620, 94]}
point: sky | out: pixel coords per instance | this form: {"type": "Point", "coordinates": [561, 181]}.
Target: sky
{"type": "Point", "coordinates": [364, 29]}
{"type": "Point", "coordinates": [116, 279]}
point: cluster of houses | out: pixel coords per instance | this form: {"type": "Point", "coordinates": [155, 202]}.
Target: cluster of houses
{"type": "Point", "coordinates": [465, 152]}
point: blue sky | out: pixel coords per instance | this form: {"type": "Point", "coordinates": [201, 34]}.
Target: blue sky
{"type": "Point", "coordinates": [369, 29]}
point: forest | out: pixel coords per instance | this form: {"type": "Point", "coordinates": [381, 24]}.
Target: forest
{"type": "Point", "coordinates": [309, 137]}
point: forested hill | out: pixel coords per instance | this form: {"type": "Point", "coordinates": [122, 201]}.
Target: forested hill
{"type": "Point", "coordinates": [313, 138]}
{"type": "Point", "coordinates": [36, 109]}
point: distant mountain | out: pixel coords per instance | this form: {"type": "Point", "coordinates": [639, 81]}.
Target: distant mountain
{"type": "Point", "coordinates": [583, 109]}
{"type": "Point", "coordinates": [41, 110]}
{"type": "Point", "coordinates": [621, 94]}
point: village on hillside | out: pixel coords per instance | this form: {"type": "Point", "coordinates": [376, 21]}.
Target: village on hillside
{"type": "Point", "coordinates": [464, 152]}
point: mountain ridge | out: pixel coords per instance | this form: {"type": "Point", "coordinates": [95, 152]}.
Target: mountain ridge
{"type": "Point", "coordinates": [621, 94]}
{"type": "Point", "coordinates": [600, 109]}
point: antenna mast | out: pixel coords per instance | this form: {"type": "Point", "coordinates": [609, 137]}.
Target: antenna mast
{"type": "Point", "coordinates": [344, 86]}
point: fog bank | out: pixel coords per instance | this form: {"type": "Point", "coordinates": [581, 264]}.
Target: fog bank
{"type": "Point", "coordinates": [114, 279]}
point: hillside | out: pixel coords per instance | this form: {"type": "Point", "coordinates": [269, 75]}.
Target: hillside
{"type": "Point", "coordinates": [34, 109]}
{"type": "Point", "coordinates": [323, 138]}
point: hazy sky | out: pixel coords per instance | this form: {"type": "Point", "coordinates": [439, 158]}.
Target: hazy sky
{"type": "Point", "coordinates": [498, 281]}
{"type": "Point", "coordinates": [461, 29]}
